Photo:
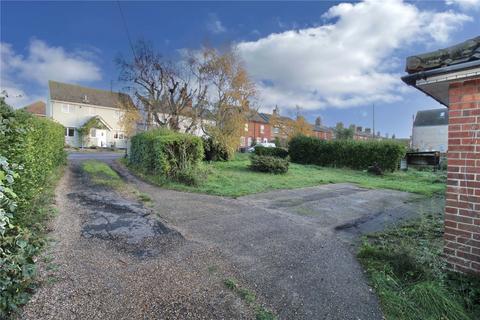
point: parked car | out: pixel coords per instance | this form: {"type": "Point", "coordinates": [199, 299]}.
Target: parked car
{"type": "Point", "coordinates": [262, 144]}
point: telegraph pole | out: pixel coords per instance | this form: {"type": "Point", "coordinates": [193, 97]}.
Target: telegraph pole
{"type": "Point", "coordinates": [373, 118]}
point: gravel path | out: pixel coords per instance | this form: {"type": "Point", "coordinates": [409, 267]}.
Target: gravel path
{"type": "Point", "coordinates": [98, 277]}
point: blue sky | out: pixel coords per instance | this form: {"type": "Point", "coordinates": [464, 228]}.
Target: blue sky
{"type": "Point", "coordinates": [333, 59]}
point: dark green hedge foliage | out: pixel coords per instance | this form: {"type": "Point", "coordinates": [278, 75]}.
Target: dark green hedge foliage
{"type": "Point", "coordinates": [273, 152]}
{"type": "Point", "coordinates": [346, 153]}
{"type": "Point", "coordinates": [214, 151]}
{"type": "Point", "coordinates": [268, 164]}
{"type": "Point", "coordinates": [34, 143]}
{"type": "Point", "coordinates": [30, 150]}
{"type": "Point", "coordinates": [166, 153]}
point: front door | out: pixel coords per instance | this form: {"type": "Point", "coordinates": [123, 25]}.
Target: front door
{"type": "Point", "coordinates": [101, 137]}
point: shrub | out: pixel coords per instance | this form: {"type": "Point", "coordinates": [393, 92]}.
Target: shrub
{"type": "Point", "coordinates": [268, 164]}
{"type": "Point", "coordinates": [273, 152]}
{"type": "Point", "coordinates": [166, 153]}
{"type": "Point", "coordinates": [346, 153]}
{"type": "Point", "coordinates": [214, 151]}
{"type": "Point", "coordinates": [34, 148]}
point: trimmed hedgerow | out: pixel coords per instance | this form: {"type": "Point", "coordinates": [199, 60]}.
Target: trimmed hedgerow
{"type": "Point", "coordinates": [346, 153]}
{"type": "Point", "coordinates": [273, 152]}
{"type": "Point", "coordinates": [36, 144]}
{"type": "Point", "coordinates": [31, 149]}
{"type": "Point", "coordinates": [268, 164]}
{"type": "Point", "coordinates": [172, 155]}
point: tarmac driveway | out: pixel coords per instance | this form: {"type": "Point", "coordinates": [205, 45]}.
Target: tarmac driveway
{"type": "Point", "coordinates": [120, 259]}
{"type": "Point", "coordinates": [292, 246]}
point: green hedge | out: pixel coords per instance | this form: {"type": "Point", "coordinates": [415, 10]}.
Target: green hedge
{"type": "Point", "coordinates": [30, 150]}
{"type": "Point", "coordinates": [34, 143]}
{"type": "Point", "coordinates": [166, 153]}
{"type": "Point", "coordinates": [214, 151]}
{"type": "Point", "coordinates": [273, 152]}
{"type": "Point", "coordinates": [346, 153]}
{"type": "Point", "coordinates": [269, 164]}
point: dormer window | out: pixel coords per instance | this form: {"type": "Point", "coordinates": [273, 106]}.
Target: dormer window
{"type": "Point", "coordinates": [85, 99]}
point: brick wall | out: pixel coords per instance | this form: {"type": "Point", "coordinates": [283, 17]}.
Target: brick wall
{"type": "Point", "coordinates": [462, 209]}
{"type": "Point", "coordinates": [254, 132]}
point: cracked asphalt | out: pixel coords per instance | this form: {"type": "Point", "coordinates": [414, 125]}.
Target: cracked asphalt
{"type": "Point", "coordinates": [293, 248]}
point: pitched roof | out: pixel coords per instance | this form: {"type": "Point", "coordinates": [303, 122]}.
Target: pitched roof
{"type": "Point", "coordinates": [267, 117]}
{"type": "Point", "coordinates": [321, 128]}
{"type": "Point", "coordinates": [460, 53]}
{"type": "Point", "coordinates": [256, 117]}
{"type": "Point", "coordinates": [433, 117]}
{"type": "Point", "coordinates": [37, 108]}
{"type": "Point", "coordinates": [78, 94]}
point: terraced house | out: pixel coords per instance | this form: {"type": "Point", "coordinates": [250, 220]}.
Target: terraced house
{"type": "Point", "coordinates": [80, 109]}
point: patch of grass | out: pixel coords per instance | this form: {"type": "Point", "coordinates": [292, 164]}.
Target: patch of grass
{"type": "Point", "coordinates": [406, 269]}
{"type": "Point", "coordinates": [250, 298]}
{"type": "Point", "coordinates": [102, 174]}
{"type": "Point", "coordinates": [234, 178]}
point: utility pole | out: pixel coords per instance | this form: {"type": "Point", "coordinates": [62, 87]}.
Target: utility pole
{"type": "Point", "coordinates": [373, 118]}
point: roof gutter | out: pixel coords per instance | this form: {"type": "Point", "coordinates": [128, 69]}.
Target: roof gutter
{"type": "Point", "coordinates": [411, 79]}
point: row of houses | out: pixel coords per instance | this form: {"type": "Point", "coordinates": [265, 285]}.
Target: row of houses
{"type": "Point", "coordinates": [75, 106]}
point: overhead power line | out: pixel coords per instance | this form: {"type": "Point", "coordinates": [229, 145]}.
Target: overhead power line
{"type": "Point", "coordinates": [126, 28]}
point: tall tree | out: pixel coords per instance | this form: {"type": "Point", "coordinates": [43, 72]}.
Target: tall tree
{"type": "Point", "coordinates": [230, 95]}
{"type": "Point", "coordinates": [163, 91]}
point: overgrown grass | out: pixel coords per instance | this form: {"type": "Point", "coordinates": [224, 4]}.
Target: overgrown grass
{"type": "Point", "coordinates": [261, 313]}
{"type": "Point", "coordinates": [406, 269]}
{"type": "Point", "coordinates": [234, 178]}
{"type": "Point", "coordinates": [102, 174]}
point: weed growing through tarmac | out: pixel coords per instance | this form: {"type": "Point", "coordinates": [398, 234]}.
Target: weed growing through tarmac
{"type": "Point", "coordinates": [406, 268]}
{"type": "Point", "coordinates": [261, 313]}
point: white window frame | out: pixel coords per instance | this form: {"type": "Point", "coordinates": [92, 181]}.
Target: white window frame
{"type": "Point", "coordinates": [67, 131]}
{"type": "Point", "coordinates": [246, 126]}
{"type": "Point", "coordinates": [276, 130]}
{"type": "Point", "coordinates": [262, 129]}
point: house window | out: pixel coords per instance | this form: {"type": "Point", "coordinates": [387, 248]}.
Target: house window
{"type": "Point", "coordinates": [68, 108]}
{"type": "Point", "coordinates": [93, 133]}
{"type": "Point", "coordinates": [119, 135]}
{"type": "Point", "coordinates": [262, 128]}
{"type": "Point", "coordinates": [69, 132]}
{"type": "Point", "coordinates": [246, 126]}
{"type": "Point", "coordinates": [276, 130]}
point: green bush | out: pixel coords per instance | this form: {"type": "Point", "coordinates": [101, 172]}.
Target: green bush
{"type": "Point", "coordinates": [214, 151]}
{"type": "Point", "coordinates": [268, 164]}
{"type": "Point", "coordinates": [34, 149]}
{"type": "Point", "coordinates": [34, 143]}
{"type": "Point", "coordinates": [346, 153]}
{"type": "Point", "coordinates": [169, 154]}
{"type": "Point", "coordinates": [273, 152]}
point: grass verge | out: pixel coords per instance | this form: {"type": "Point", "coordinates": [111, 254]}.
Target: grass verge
{"type": "Point", "coordinates": [234, 178]}
{"type": "Point", "coordinates": [405, 267]}
{"type": "Point", "coordinates": [261, 313]}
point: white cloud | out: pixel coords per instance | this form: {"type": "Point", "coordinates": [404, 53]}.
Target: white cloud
{"type": "Point", "coordinates": [214, 25]}
{"type": "Point", "coordinates": [349, 60]}
{"type": "Point", "coordinates": [464, 4]}
{"type": "Point", "coordinates": [42, 63]}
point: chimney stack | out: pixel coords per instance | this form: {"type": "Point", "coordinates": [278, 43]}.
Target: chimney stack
{"type": "Point", "coordinates": [368, 130]}
{"type": "Point", "coordinates": [318, 121]}
{"type": "Point", "coordinates": [359, 129]}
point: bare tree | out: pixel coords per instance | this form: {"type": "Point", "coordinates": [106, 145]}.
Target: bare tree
{"type": "Point", "coordinates": [163, 91]}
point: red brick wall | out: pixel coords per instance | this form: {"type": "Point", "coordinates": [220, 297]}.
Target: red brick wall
{"type": "Point", "coordinates": [254, 132]}
{"type": "Point", "coordinates": [462, 209]}
{"type": "Point", "coordinates": [324, 135]}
